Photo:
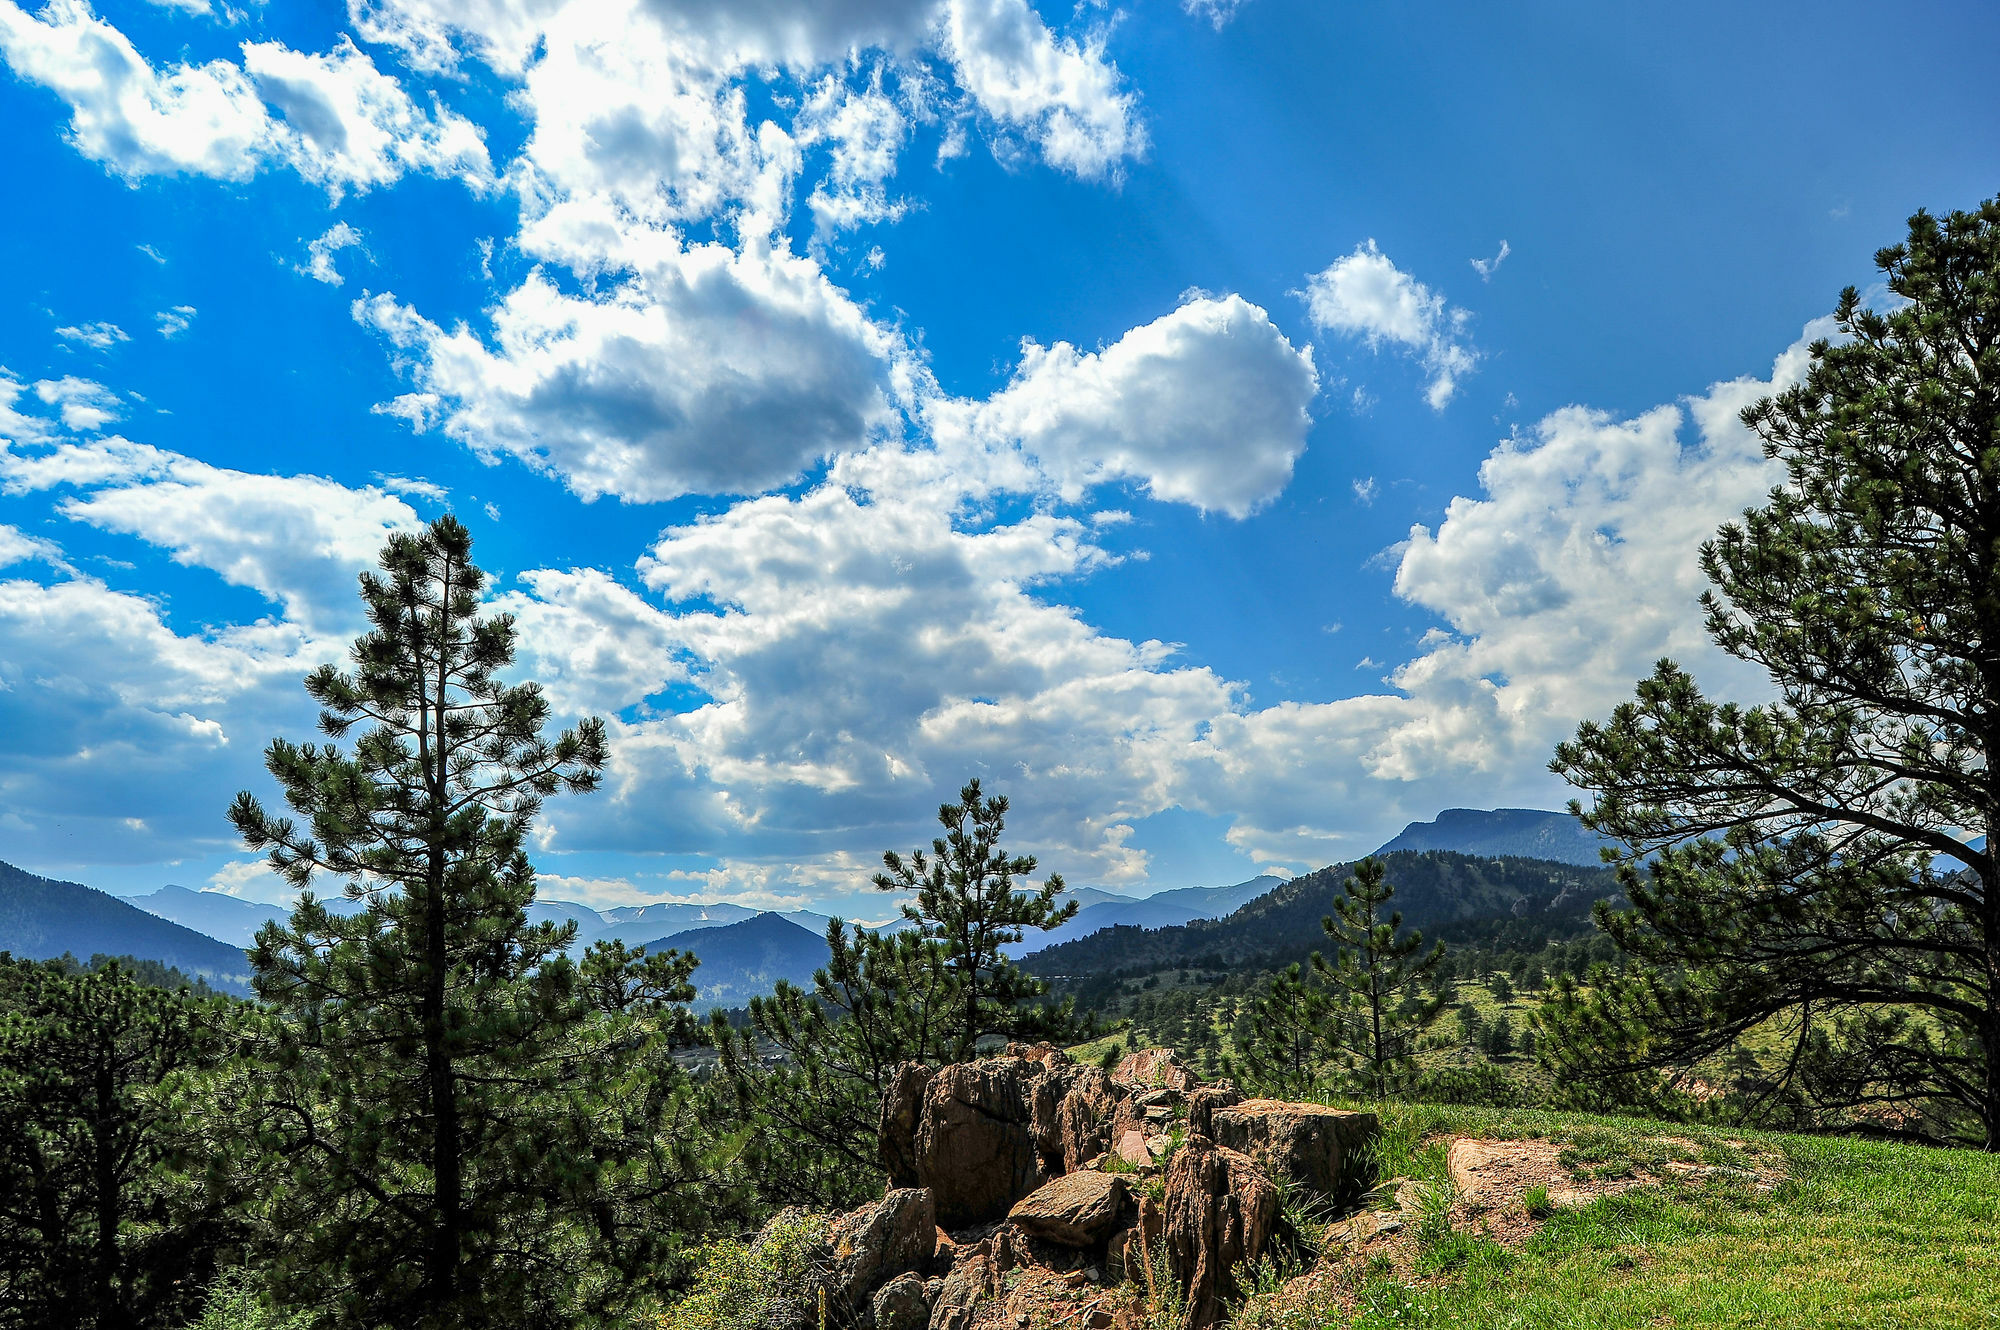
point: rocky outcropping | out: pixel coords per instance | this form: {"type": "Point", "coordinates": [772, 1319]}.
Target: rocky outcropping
{"type": "Point", "coordinates": [1071, 1191]}
{"type": "Point", "coordinates": [1221, 1208]}
{"type": "Point", "coordinates": [1317, 1147]}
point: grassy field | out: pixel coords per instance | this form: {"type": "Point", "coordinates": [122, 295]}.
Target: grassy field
{"type": "Point", "coordinates": [1858, 1234]}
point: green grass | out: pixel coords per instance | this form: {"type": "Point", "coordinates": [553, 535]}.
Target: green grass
{"type": "Point", "coordinates": [1860, 1234]}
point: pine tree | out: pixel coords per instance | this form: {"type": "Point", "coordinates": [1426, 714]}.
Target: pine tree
{"type": "Point", "coordinates": [1284, 1036]}
{"type": "Point", "coordinates": [1820, 867]}
{"type": "Point", "coordinates": [1375, 976]}
{"type": "Point", "coordinates": [89, 1237]}
{"type": "Point", "coordinates": [456, 1125]}
{"type": "Point", "coordinates": [966, 902]}
{"type": "Point", "coordinates": [882, 1000]}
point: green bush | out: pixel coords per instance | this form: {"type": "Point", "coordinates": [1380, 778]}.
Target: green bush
{"type": "Point", "coordinates": [235, 1302]}
{"type": "Point", "coordinates": [774, 1283]}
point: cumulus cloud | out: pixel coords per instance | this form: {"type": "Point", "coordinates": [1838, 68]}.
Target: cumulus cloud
{"type": "Point", "coordinates": [346, 125]}
{"type": "Point", "coordinates": [82, 403]}
{"type": "Point", "coordinates": [96, 336]}
{"type": "Point", "coordinates": [173, 322]}
{"type": "Point", "coordinates": [342, 123]}
{"type": "Point", "coordinates": [1365, 295]}
{"type": "Point", "coordinates": [708, 370]}
{"type": "Point", "coordinates": [189, 119]}
{"type": "Point", "coordinates": [1206, 406]}
{"type": "Point", "coordinates": [864, 131]}
{"type": "Point", "coordinates": [1061, 93]}
{"type": "Point", "coordinates": [17, 547]}
{"type": "Point", "coordinates": [320, 252]}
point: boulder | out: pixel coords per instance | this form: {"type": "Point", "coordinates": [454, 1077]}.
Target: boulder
{"type": "Point", "coordinates": [1132, 1148]}
{"type": "Point", "coordinates": [1155, 1069]}
{"type": "Point", "coordinates": [1315, 1147]}
{"type": "Point", "coordinates": [1075, 1210]}
{"type": "Point", "coordinates": [900, 1304]}
{"type": "Point", "coordinates": [971, 1282]}
{"type": "Point", "coordinates": [1220, 1211]}
{"type": "Point", "coordinates": [876, 1243]}
{"type": "Point", "coordinates": [974, 1144]}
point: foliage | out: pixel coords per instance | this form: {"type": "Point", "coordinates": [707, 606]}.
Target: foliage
{"type": "Point", "coordinates": [967, 903]}
{"type": "Point", "coordinates": [1818, 866]}
{"type": "Point", "coordinates": [440, 1119]}
{"type": "Point", "coordinates": [754, 1286]}
{"type": "Point", "coordinates": [1354, 1020]}
{"type": "Point", "coordinates": [882, 1000]}
{"type": "Point", "coordinates": [89, 1234]}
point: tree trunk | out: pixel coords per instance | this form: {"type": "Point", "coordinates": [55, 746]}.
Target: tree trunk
{"type": "Point", "coordinates": [104, 1164]}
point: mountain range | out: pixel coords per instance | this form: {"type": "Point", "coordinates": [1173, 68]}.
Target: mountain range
{"type": "Point", "coordinates": [1480, 871]}
{"type": "Point", "coordinates": [41, 919]}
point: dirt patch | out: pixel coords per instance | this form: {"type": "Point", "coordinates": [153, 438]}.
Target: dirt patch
{"type": "Point", "coordinates": [1491, 1182]}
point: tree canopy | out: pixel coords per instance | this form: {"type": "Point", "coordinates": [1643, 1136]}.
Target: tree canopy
{"type": "Point", "coordinates": [1819, 864]}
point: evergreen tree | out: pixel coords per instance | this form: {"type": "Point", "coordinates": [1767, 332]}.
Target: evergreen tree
{"type": "Point", "coordinates": [1375, 976]}
{"type": "Point", "coordinates": [89, 1237]}
{"type": "Point", "coordinates": [882, 1000]}
{"type": "Point", "coordinates": [456, 1125]}
{"type": "Point", "coordinates": [1821, 866]}
{"type": "Point", "coordinates": [1283, 1036]}
{"type": "Point", "coordinates": [966, 902]}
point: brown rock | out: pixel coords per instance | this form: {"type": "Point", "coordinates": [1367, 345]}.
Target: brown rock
{"type": "Point", "coordinates": [1132, 1148]}
{"type": "Point", "coordinates": [900, 1304]}
{"type": "Point", "coordinates": [1315, 1147]}
{"type": "Point", "coordinates": [902, 1109]}
{"type": "Point", "coordinates": [974, 1144]}
{"type": "Point", "coordinates": [1203, 1102]}
{"type": "Point", "coordinates": [972, 1281]}
{"type": "Point", "coordinates": [1092, 1110]}
{"type": "Point", "coordinates": [1220, 1210]}
{"type": "Point", "coordinates": [1075, 1210]}
{"type": "Point", "coordinates": [1153, 1069]}
{"type": "Point", "coordinates": [875, 1243]}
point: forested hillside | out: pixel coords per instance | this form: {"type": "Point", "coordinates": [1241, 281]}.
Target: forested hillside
{"type": "Point", "coordinates": [1433, 888]}
{"type": "Point", "coordinates": [41, 919]}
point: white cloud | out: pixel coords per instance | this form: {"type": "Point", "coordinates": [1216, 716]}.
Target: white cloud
{"type": "Point", "coordinates": [1365, 491]}
{"type": "Point", "coordinates": [82, 404]}
{"type": "Point", "coordinates": [1062, 93]}
{"type": "Point", "coordinates": [1217, 12]}
{"type": "Point", "coordinates": [17, 547]}
{"type": "Point", "coordinates": [297, 540]}
{"type": "Point", "coordinates": [346, 125]}
{"type": "Point", "coordinates": [320, 252]}
{"type": "Point", "coordinates": [96, 336]}
{"type": "Point", "coordinates": [173, 322]}
{"type": "Point", "coordinates": [707, 370]}
{"type": "Point", "coordinates": [194, 119]}
{"type": "Point", "coordinates": [865, 132]}
{"type": "Point", "coordinates": [151, 253]}
{"type": "Point", "coordinates": [1487, 267]}
{"type": "Point", "coordinates": [1365, 295]}
{"type": "Point", "coordinates": [1206, 406]}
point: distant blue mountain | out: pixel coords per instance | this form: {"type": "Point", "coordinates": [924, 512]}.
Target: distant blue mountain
{"type": "Point", "coordinates": [743, 960]}
{"type": "Point", "coordinates": [1161, 910]}
{"type": "Point", "coordinates": [1528, 833]}
{"type": "Point", "coordinates": [41, 918]}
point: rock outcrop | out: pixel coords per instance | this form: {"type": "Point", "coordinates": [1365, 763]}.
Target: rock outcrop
{"type": "Point", "coordinates": [1031, 1185]}
{"type": "Point", "coordinates": [1221, 1208]}
{"type": "Point", "coordinates": [1317, 1147]}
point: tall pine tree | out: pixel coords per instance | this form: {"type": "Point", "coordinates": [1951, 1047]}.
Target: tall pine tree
{"type": "Point", "coordinates": [457, 1126]}
{"type": "Point", "coordinates": [966, 902]}
{"type": "Point", "coordinates": [1821, 868]}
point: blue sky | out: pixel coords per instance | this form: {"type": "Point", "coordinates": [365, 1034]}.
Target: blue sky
{"type": "Point", "coordinates": [854, 397]}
